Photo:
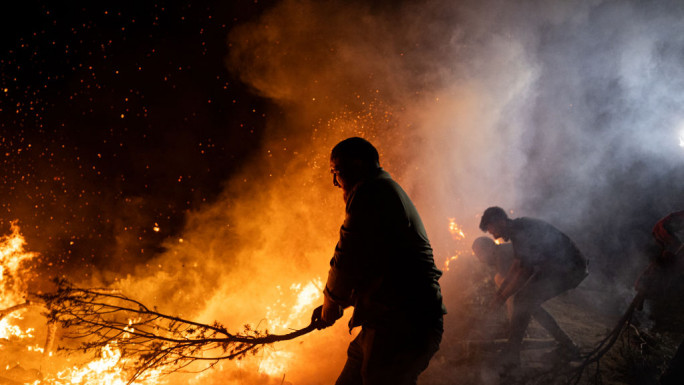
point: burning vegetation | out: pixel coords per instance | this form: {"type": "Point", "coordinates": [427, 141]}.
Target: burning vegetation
{"type": "Point", "coordinates": [130, 343]}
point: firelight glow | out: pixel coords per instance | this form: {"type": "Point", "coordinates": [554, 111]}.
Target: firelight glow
{"type": "Point", "coordinates": [283, 315]}
{"type": "Point", "coordinates": [455, 230]}
{"type": "Point", "coordinates": [459, 236]}
{"type": "Point", "coordinates": [106, 369]}
{"type": "Point", "coordinates": [12, 286]}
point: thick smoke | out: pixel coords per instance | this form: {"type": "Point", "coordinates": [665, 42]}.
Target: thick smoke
{"type": "Point", "coordinates": [566, 111]}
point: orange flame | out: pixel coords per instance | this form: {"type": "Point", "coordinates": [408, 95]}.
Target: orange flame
{"type": "Point", "coordinates": [105, 370]}
{"type": "Point", "coordinates": [458, 235]}
{"type": "Point", "coordinates": [13, 290]}
{"type": "Point", "coordinates": [456, 230]}
{"type": "Point", "coordinates": [12, 286]}
{"type": "Point", "coordinates": [282, 315]}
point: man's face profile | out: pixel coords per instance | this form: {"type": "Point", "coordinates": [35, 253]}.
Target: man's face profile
{"type": "Point", "coordinates": [498, 229]}
{"type": "Point", "coordinates": [340, 175]}
{"type": "Point", "coordinates": [345, 175]}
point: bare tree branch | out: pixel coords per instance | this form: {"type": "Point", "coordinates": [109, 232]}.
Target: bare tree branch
{"type": "Point", "coordinates": [595, 355]}
{"type": "Point", "coordinates": [148, 339]}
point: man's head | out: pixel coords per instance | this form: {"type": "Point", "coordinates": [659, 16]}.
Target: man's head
{"type": "Point", "coordinates": [351, 161]}
{"type": "Point", "coordinates": [495, 221]}
{"type": "Point", "coordinates": [485, 250]}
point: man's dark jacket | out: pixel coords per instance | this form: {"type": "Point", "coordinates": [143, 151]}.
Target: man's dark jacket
{"type": "Point", "coordinates": [383, 263]}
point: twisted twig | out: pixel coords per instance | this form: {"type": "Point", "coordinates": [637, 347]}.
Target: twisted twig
{"type": "Point", "coordinates": [607, 343]}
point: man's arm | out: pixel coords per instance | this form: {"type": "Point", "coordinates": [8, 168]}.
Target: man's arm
{"type": "Point", "coordinates": [349, 266]}
{"type": "Point", "coordinates": [516, 277]}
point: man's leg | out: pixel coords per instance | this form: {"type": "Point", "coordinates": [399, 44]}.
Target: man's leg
{"type": "Point", "coordinates": [398, 356]}
{"type": "Point", "coordinates": [547, 321]}
{"type": "Point", "coordinates": [528, 301]}
{"type": "Point", "coordinates": [523, 305]}
{"type": "Point", "coordinates": [351, 373]}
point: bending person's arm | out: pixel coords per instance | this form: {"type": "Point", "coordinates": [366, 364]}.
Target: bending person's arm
{"type": "Point", "coordinates": [516, 277]}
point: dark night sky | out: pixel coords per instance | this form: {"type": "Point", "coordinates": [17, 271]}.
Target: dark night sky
{"type": "Point", "coordinates": [116, 119]}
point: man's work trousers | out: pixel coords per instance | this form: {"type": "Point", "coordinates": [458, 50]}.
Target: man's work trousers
{"type": "Point", "coordinates": [528, 300]}
{"type": "Point", "coordinates": [381, 356]}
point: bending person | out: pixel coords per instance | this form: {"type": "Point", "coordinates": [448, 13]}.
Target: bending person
{"type": "Point", "coordinates": [546, 263]}
{"type": "Point", "coordinates": [499, 257]}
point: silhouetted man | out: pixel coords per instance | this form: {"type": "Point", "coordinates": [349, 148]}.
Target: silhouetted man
{"type": "Point", "coordinates": [663, 281]}
{"type": "Point", "coordinates": [500, 257]}
{"type": "Point", "coordinates": [546, 263]}
{"type": "Point", "coordinates": [383, 267]}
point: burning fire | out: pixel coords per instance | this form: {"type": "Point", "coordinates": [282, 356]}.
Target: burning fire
{"type": "Point", "coordinates": [13, 292]}
{"type": "Point", "coordinates": [9, 329]}
{"type": "Point", "coordinates": [451, 259]}
{"type": "Point", "coordinates": [459, 236]}
{"type": "Point", "coordinates": [105, 370]}
{"type": "Point", "coordinates": [456, 230]}
{"type": "Point", "coordinates": [12, 259]}
{"type": "Point", "coordinates": [12, 286]}
{"type": "Point", "coordinates": [291, 309]}
{"type": "Point", "coordinates": [283, 315]}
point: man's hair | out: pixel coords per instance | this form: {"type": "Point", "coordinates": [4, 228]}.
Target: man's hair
{"type": "Point", "coordinates": [356, 148]}
{"type": "Point", "coordinates": [484, 249]}
{"type": "Point", "coordinates": [490, 215]}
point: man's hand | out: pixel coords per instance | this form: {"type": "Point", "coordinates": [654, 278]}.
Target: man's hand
{"type": "Point", "coordinates": [326, 314]}
{"type": "Point", "coordinates": [317, 318]}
